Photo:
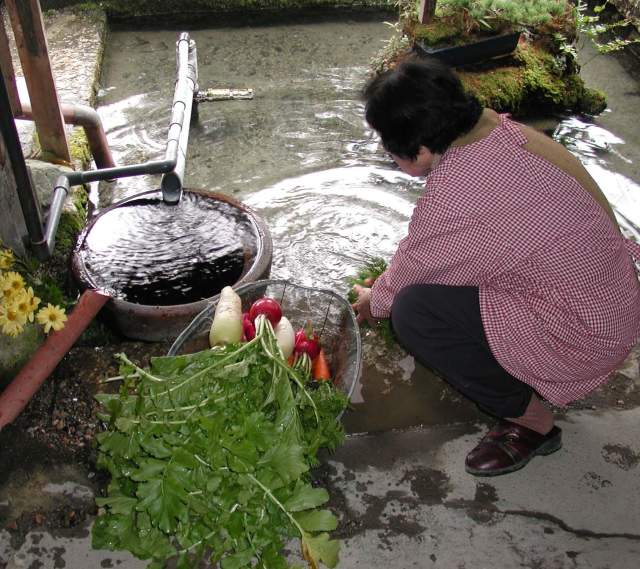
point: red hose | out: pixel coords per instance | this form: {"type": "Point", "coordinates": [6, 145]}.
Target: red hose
{"type": "Point", "coordinates": [34, 373]}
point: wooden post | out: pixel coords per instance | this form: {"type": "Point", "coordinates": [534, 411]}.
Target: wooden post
{"type": "Point", "coordinates": [6, 68]}
{"type": "Point", "coordinates": [426, 11]}
{"type": "Point", "coordinates": [31, 41]}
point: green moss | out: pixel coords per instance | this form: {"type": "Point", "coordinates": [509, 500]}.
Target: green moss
{"type": "Point", "coordinates": [537, 77]}
{"type": "Point", "coordinates": [79, 148]}
{"type": "Point", "coordinates": [533, 81]}
{"type": "Point", "coordinates": [541, 78]}
{"type": "Point", "coordinates": [592, 101]}
{"type": "Point", "coordinates": [501, 89]}
{"type": "Point", "coordinates": [438, 32]}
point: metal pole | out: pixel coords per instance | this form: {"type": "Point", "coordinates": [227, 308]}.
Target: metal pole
{"type": "Point", "coordinates": [172, 165]}
{"type": "Point", "coordinates": [186, 55]}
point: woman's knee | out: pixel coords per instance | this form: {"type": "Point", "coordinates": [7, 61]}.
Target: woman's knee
{"type": "Point", "coordinates": [404, 309]}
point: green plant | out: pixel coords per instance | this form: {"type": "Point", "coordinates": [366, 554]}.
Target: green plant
{"type": "Point", "coordinates": [595, 29]}
{"type": "Point", "coordinates": [397, 43]}
{"type": "Point", "coordinates": [490, 14]}
{"type": "Point", "coordinates": [18, 301]}
{"type": "Point", "coordinates": [210, 454]}
{"type": "Point", "coordinates": [591, 26]}
{"type": "Point", "coordinates": [366, 275]}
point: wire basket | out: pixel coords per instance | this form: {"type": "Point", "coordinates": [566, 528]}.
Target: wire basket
{"type": "Point", "coordinates": [331, 315]}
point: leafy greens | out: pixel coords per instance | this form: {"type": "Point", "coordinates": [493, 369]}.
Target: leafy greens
{"type": "Point", "coordinates": [209, 456]}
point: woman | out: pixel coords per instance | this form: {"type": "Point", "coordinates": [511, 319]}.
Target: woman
{"type": "Point", "coordinates": [513, 281]}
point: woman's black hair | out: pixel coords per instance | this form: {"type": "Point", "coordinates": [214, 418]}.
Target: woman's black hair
{"type": "Point", "coordinates": [421, 102]}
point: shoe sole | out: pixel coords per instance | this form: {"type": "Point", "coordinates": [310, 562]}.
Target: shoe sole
{"type": "Point", "coordinates": [545, 449]}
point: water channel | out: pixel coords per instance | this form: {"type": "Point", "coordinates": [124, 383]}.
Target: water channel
{"type": "Point", "coordinates": [301, 155]}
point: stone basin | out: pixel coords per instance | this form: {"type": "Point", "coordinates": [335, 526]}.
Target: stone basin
{"type": "Point", "coordinates": [149, 256]}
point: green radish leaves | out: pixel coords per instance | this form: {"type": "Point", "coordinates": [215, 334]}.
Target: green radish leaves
{"type": "Point", "coordinates": [209, 456]}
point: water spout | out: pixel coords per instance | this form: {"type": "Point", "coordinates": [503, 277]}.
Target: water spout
{"type": "Point", "coordinates": [178, 137]}
{"type": "Point", "coordinates": [172, 166]}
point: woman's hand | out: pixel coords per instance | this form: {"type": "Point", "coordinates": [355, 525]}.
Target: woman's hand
{"type": "Point", "coordinates": [362, 306]}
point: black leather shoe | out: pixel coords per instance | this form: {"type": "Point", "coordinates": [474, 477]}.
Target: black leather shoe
{"type": "Point", "coordinates": [508, 447]}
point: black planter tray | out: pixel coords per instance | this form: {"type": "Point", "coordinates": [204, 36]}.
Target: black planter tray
{"type": "Point", "coordinates": [475, 52]}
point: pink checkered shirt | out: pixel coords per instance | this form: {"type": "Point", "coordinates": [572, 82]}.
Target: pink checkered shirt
{"type": "Point", "coordinates": [559, 294]}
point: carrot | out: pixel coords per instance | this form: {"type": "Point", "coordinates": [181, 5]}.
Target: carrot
{"type": "Point", "coordinates": [320, 370]}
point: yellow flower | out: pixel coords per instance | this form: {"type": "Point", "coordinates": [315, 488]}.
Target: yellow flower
{"type": "Point", "coordinates": [33, 300]}
{"type": "Point", "coordinates": [12, 284]}
{"type": "Point", "coordinates": [6, 259]}
{"type": "Point", "coordinates": [11, 320]}
{"type": "Point", "coordinates": [23, 303]}
{"type": "Point", "coordinates": [51, 317]}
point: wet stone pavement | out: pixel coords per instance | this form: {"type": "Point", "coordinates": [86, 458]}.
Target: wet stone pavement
{"type": "Point", "coordinates": [397, 485]}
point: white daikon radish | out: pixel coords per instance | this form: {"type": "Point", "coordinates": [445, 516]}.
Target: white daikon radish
{"type": "Point", "coordinates": [285, 336]}
{"type": "Point", "coordinates": [226, 327]}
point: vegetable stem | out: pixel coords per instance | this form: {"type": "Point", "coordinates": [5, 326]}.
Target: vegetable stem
{"type": "Point", "coordinates": [263, 324]}
{"type": "Point", "coordinates": [276, 501]}
{"type": "Point", "coordinates": [211, 367]}
{"type": "Point", "coordinates": [191, 407]}
{"type": "Point", "coordinates": [139, 370]}
{"type": "Point", "coordinates": [118, 378]}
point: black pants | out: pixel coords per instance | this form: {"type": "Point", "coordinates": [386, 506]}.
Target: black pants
{"type": "Point", "coordinates": [442, 328]}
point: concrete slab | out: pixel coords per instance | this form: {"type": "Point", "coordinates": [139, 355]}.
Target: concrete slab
{"type": "Point", "coordinates": [404, 501]}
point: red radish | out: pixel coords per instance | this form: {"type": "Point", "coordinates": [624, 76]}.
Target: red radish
{"type": "Point", "coordinates": [307, 342]}
{"type": "Point", "coordinates": [248, 329]}
{"type": "Point", "coordinates": [267, 306]}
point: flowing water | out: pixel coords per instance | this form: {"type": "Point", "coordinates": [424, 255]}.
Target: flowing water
{"type": "Point", "coordinates": [301, 155]}
{"type": "Point", "coordinates": [148, 252]}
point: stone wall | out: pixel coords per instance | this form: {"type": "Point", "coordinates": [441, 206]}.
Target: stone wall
{"type": "Point", "coordinates": [158, 8]}
{"type": "Point", "coordinates": [12, 226]}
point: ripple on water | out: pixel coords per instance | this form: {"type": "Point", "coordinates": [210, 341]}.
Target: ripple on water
{"type": "Point", "coordinates": [326, 224]}
{"type": "Point", "coordinates": [148, 252]}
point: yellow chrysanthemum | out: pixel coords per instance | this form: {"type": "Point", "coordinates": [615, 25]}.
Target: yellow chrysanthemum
{"type": "Point", "coordinates": [12, 284]}
{"type": "Point", "coordinates": [23, 304]}
{"type": "Point", "coordinates": [11, 320]}
{"type": "Point", "coordinates": [6, 259]}
{"type": "Point", "coordinates": [51, 317]}
{"type": "Point", "coordinates": [34, 301]}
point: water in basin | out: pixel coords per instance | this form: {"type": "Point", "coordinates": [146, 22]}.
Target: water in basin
{"type": "Point", "coordinates": [151, 253]}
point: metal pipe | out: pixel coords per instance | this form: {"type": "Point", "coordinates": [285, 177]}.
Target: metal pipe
{"type": "Point", "coordinates": [34, 373]}
{"type": "Point", "coordinates": [181, 112]}
{"type": "Point", "coordinates": [44, 247]}
{"type": "Point", "coordinates": [178, 138]}
{"type": "Point", "coordinates": [26, 194]}
{"type": "Point", "coordinates": [89, 119]}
